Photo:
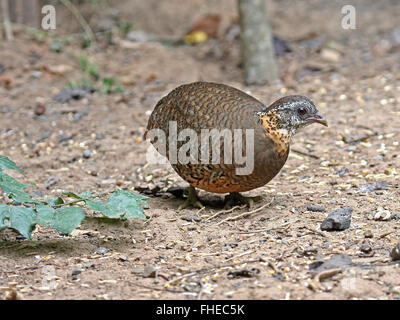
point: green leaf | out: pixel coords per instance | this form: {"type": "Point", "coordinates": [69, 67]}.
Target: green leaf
{"type": "Point", "coordinates": [15, 189]}
{"type": "Point", "coordinates": [105, 208]}
{"type": "Point", "coordinates": [83, 195]}
{"type": "Point", "coordinates": [50, 201]}
{"type": "Point", "coordinates": [6, 163]}
{"type": "Point", "coordinates": [10, 185]}
{"type": "Point", "coordinates": [62, 219]}
{"type": "Point", "coordinates": [45, 215]}
{"type": "Point", "coordinates": [23, 197]}
{"type": "Point", "coordinates": [19, 218]}
{"type": "Point", "coordinates": [122, 204]}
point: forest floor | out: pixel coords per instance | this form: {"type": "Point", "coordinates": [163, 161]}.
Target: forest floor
{"type": "Point", "coordinates": [94, 142]}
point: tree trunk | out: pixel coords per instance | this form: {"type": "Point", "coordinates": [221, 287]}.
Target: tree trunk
{"type": "Point", "coordinates": [258, 54]}
{"type": "Point", "coordinates": [6, 20]}
{"type": "Point", "coordinates": [26, 12]}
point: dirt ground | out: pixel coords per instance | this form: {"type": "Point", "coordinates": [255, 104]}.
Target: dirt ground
{"type": "Point", "coordinates": [352, 75]}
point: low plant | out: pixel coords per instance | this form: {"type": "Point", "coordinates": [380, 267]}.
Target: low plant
{"type": "Point", "coordinates": [63, 213]}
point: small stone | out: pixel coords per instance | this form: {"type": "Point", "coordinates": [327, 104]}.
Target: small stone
{"type": "Point", "coordinates": [149, 271]}
{"type": "Point", "coordinates": [66, 95]}
{"type": "Point", "coordinates": [40, 109]}
{"type": "Point", "coordinates": [366, 247]}
{"type": "Point", "coordinates": [337, 261]}
{"type": "Point", "coordinates": [191, 218]}
{"type": "Point", "coordinates": [343, 171]}
{"type": "Point", "coordinates": [310, 251]}
{"type": "Point", "coordinates": [382, 215]}
{"type": "Point", "coordinates": [379, 185]}
{"type": "Point", "coordinates": [87, 153]}
{"type": "Point", "coordinates": [395, 217]}
{"type": "Point", "coordinates": [51, 182]}
{"type": "Point", "coordinates": [76, 271]}
{"type": "Point", "coordinates": [36, 74]}
{"type": "Point", "coordinates": [368, 234]}
{"type": "Point", "coordinates": [244, 273]}
{"type": "Point", "coordinates": [315, 208]}
{"type": "Point", "coordinates": [330, 55]}
{"type": "Point", "coordinates": [395, 253]}
{"type": "Point", "coordinates": [337, 220]}
{"type": "Point", "coordinates": [108, 182]}
{"type": "Point", "coordinates": [102, 250]}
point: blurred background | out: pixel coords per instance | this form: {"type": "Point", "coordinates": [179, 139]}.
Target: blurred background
{"type": "Point", "coordinates": [308, 36]}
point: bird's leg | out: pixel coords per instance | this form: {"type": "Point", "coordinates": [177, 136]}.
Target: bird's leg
{"type": "Point", "coordinates": [192, 200]}
{"type": "Point", "coordinates": [235, 197]}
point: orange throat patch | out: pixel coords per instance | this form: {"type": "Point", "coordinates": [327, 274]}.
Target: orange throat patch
{"type": "Point", "coordinates": [280, 136]}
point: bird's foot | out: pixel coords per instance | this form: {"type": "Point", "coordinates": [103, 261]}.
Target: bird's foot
{"type": "Point", "coordinates": [192, 200]}
{"type": "Point", "coordinates": [235, 197]}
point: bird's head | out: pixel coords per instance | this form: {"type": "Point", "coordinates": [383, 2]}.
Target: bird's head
{"type": "Point", "coordinates": [291, 113]}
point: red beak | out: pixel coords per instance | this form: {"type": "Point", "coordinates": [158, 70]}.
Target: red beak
{"type": "Point", "coordinates": [319, 119]}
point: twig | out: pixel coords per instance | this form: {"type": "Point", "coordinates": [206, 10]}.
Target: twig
{"type": "Point", "coordinates": [200, 210]}
{"type": "Point", "coordinates": [269, 229]}
{"type": "Point", "coordinates": [305, 154]}
{"type": "Point", "coordinates": [245, 214]}
{"type": "Point", "coordinates": [362, 138]}
{"type": "Point", "coordinates": [201, 289]}
{"type": "Point", "coordinates": [241, 254]}
{"type": "Point", "coordinates": [71, 7]}
{"type": "Point", "coordinates": [6, 19]}
{"type": "Point", "coordinates": [316, 232]}
{"type": "Point", "coordinates": [202, 270]}
{"type": "Point", "coordinates": [327, 274]}
{"type": "Point", "coordinates": [225, 211]}
{"type": "Point", "coordinates": [80, 200]}
{"type": "Point", "coordinates": [159, 289]}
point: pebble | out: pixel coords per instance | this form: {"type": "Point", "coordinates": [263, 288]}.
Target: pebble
{"type": "Point", "coordinates": [395, 253]}
{"type": "Point", "coordinates": [51, 182]}
{"type": "Point", "coordinates": [191, 218]}
{"type": "Point", "coordinates": [75, 272]}
{"type": "Point", "coordinates": [342, 171]}
{"type": "Point", "coordinates": [108, 182]}
{"type": "Point", "coordinates": [366, 247]}
{"type": "Point", "coordinates": [66, 95]}
{"type": "Point", "coordinates": [315, 208]}
{"type": "Point", "coordinates": [337, 220]}
{"type": "Point", "coordinates": [102, 250]}
{"type": "Point", "coordinates": [382, 215]}
{"type": "Point", "coordinates": [87, 153]}
{"type": "Point", "coordinates": [310, 251]}
{"type": "Point", "coordinates": [368, 234]}
{"type": "Point", "coordinates": [379, 185]}
{"type": "Point", "coordinates": [148, 271]}
{"type": "Point", "coordinates": [337, 261]}
{"type": "Point", "coordinates": [36, 74]}
{"type": "Point", "coordinates": [40, 109]}
{"type": "Point", "coordinates": [245, 273]}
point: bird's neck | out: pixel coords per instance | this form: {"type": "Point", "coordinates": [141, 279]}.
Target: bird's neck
{"type": "Point", "coordinates": [280, 135]}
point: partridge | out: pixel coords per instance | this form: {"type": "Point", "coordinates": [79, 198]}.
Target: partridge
{"type": "Point", "coordinates": [261, 135]}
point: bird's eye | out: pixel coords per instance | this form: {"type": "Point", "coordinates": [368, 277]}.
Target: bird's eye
{"type": "Point", "coordinates": [302, 111]}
